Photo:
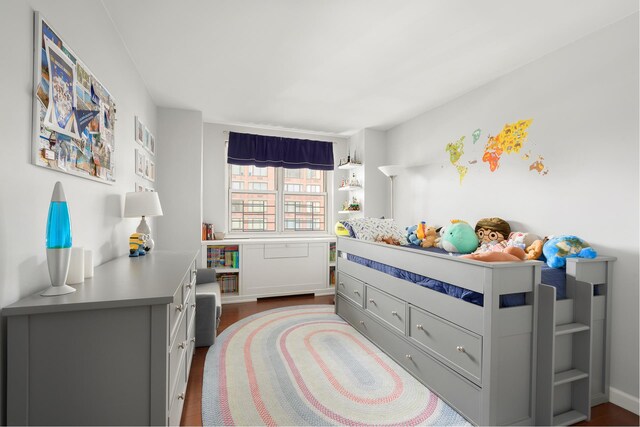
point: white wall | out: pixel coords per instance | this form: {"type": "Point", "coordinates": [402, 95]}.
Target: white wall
{"type": "Point", "coordinates": [583, 100]}
{"type": "Point", "coordinates": [96, 209]}
{"type": "Point", "coordinates": [179, 181]}
{"type": "Point", "coordinates": [214, 167]}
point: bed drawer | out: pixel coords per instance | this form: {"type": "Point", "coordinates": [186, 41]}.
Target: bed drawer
{"type": "Point", "coordinates": [391, 310]}
{"type": "Point", "coordinates": [458, 392]}
{"type": "Point", "coordinates": [458, 347]}
{"type": "Point", "coordinates": [351, 288]}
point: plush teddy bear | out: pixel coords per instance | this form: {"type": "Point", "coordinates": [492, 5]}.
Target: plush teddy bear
{"type": "Point", "coordinates": [558, 248]}
{"type": "Point", "coordinates": [430, 236]}
{"type": "Point", "coordinates": [459, 237]}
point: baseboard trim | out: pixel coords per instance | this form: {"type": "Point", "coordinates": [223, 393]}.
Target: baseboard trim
{"type": "Point", "coordinates": [624, 400]}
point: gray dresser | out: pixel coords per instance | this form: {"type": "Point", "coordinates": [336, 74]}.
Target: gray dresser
{"type": "Point", "coordinates": [116, 352]}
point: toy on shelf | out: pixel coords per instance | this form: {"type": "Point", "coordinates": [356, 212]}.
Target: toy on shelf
{"type": "Point", "coordinates": [137, 244]}
{"type": "Point", "coordinates": [353, 205]}
{"type": "Point", "coordinates": [558, 248]}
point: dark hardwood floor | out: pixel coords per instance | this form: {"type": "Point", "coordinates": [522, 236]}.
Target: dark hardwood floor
{"type": "Point", "coordinates": [606, 414]}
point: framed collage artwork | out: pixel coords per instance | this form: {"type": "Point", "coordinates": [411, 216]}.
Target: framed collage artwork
{"type": "Point", "coordinates": [74, 115]}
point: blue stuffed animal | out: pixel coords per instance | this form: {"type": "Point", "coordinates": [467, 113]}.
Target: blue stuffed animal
{"type": "Point", "coordinates": [558, 248]}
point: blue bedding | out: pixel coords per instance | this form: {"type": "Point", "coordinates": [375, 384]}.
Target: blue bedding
{"type": "Point", "coordinates": [550, 276]}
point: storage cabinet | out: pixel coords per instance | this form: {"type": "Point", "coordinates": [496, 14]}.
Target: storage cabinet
{"type": "Point", "coordinates": [275, 266]}
{"type": "Point", "coordinates": [116, 352]}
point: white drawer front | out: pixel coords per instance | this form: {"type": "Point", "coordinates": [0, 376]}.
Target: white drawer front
{"type": "Point", "coordinates": [391, 310]}
{"type": "Point", "coordinates": [351, 288]}
{"type": "Point", "coordinates": [286, 250]}
{"type": "Point", "coordinates": [265, 273]}
{"type": "Point", "coordinates": [177, 353]}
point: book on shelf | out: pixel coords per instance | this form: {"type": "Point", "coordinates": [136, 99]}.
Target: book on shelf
{"type": "Point", "coordinates": [332, 252]}
{"type": "Point", "coordinates": [207, 231]}
{"type": "Point", "coordinates": [228, 282]}
{"type": "Point", "coordinates": [223, 256]}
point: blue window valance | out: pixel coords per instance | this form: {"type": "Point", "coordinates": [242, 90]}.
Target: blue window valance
{"type": "Point", "coordinates": [258, 150]}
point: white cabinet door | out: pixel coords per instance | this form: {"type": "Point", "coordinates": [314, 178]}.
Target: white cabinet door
{"type": "Point", "coordinates": [281, 268]}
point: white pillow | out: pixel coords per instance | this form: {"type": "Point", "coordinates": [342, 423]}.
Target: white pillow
{"type": "Point", "coordinates": [372, 228]}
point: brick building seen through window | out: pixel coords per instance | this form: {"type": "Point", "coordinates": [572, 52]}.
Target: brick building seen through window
{"type": "Point", "coordinates": [276, 199]}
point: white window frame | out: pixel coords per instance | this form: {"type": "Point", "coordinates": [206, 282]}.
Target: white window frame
{"type": "Point", "coordinates": [280, 196]}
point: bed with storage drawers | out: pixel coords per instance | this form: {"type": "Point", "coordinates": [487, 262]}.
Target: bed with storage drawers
{"type": "Point", "coordinates": [482, 359]}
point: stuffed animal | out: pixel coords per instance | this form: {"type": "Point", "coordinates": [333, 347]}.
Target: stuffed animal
{"type": "Point", "coordinates": [459, 237]}
{"type": "Point", "coordinates": [136, 245]}
{"type": "Point", "coordinates": [430, 236]}
{"type": "Point", "coordinates": [416, 233]}
{"type": "Point", "coordinates": [521, 239]}
{"type": "Point", "coordinates": [441, 231]}
{"type": "Point", "coordinates": [492, 229]}
{"type": "Point", "coordinates": [510, 253]}
{"type": "Point", "coordinates": [534, 250]}
{"type": "Point", "coordinates": [558, 248]}
{"type": "Point", "coordinates": [389, 240]}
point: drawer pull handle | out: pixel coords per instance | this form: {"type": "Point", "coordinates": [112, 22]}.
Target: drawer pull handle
{"type": "Point", "coordinates": [460, 349]}
{"type": "Point", "coordinates": [408, 356]}
{"type": "Point", "coordinates": [371, 301]}
{"type": "Point", "coordinates": [362, 322]}
{"type": "Point", "coordinates": [193, 340]}
{"type": "Point", "coordinates": [394, 313]}
{"type": "Point", "coordinates": [419, 327]}
{"type": "Point", "coordinates": [193, 305]}
{"type": "Point", "coordinates": [182, 345]}
{"type": "Point", "coordinates": [189, 286]}
{"type": "Point", "coordinates": [356, 292]}
{"type": "Point", "coordinates": [179, 307]}
{"type": "Point", "coordinates": [181, 396]}
{"type": "Point", "coordinates": [341, 284]}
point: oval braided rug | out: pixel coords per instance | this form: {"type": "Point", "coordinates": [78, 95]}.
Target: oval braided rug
{"type": "Point", "coordinates": [304, 365]}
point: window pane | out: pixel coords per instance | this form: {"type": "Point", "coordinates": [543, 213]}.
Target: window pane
{"type": "Point", "coordinates": [253, 212]}
{"type": "Point", "coordinates": [292, 173]}
{"type": "Point", "coordinates": [304, 180]}
{"type": "Point", "coordinates": [253, 178]}
{"type": "Point", "coordinates": [304, 212]}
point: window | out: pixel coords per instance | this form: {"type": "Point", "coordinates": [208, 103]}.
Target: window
{"type": "Point", "coordinates": [277, 200]}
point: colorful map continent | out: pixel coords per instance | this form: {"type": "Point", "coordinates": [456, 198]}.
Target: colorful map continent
{"type": "Point", "coordinates": [509, 140]}
{"type": "Point", "coordinates": [456, 150]}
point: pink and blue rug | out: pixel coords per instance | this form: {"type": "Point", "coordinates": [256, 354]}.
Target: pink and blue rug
{"type": "Point", "coordinates": [304, 365]}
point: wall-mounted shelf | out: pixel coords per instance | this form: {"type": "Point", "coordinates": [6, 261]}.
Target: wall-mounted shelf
{"type": "Point", "coordinates": [350, 165]}
{"type": "Point", "coordinates": [350, 188]}
{"type": "Point", "coordinates": [348, 212]}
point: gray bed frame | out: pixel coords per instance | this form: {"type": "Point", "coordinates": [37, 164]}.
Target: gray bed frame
{"type": "Point", "coordinates": [543, 363]}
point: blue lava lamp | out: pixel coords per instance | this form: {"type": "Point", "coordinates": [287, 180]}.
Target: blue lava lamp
{"type": "Point", "coordinates": [58, 243]}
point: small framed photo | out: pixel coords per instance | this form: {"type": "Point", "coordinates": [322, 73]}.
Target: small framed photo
{"type": "Point", "coordinates": [152, 144]}
{"type": "Point", "coordinates": [139, 131]}
{"type": "Point", "coordinates": [140, 163]}
{"type": "Point", "coordinates": [152, 171]}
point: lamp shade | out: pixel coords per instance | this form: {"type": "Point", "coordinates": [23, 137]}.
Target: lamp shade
{"type": "Point", "coordinates": [390, 170]}
{"type": "Point", "coordinates": [142, 203]}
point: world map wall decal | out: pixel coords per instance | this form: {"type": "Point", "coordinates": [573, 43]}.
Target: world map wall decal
{"type": "Point", "coordinates": [511, 140]}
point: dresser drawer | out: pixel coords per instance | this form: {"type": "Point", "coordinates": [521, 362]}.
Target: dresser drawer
{"type": "Point", "coordinates": [177, 354]}
{"type": "Point", "coordinates": [459, 348]}
{"type": "Point", "coordinates": [188, 285]}
{"type": "Point", "coordinates": [351, 288]}
{"type": "Point", "coordinates": [190, 305]}
{"type": "Point", "coordinates": [176, 308]}
{"type": "Point", "coordinates": [176, 401]}
{"type": "Point", "coordinates": [191, 346]}
{"type": "Point", "coordinates": [391, 310]}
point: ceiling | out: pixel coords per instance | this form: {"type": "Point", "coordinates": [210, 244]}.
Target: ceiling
{"type": "Point", "coordinates": [338, 66]}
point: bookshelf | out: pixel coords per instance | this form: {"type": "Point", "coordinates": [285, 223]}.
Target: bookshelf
{"type": "Point", "coordinates": [252, 268]}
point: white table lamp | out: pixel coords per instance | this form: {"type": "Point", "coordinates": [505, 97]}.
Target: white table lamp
{"type": "Point", "coordinates": [142, 204]}
{"type": "Point", "coordinates": [391, 171]}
